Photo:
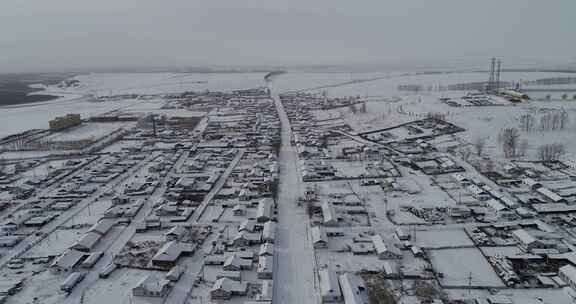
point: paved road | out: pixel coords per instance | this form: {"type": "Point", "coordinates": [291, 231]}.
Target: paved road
{"type": "Point", "coordinates": [294, 275]}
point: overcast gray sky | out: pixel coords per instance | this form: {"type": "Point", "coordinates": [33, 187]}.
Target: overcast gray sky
{"type": "Point", "coordinates": [63, 34]}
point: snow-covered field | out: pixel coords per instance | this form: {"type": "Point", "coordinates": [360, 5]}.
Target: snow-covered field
{"type": "Point", "coordinates": [362, 210]}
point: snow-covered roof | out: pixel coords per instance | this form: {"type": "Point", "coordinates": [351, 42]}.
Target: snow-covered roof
{"type": "Point", "coordinates": [351, 287]}
{"type": "Point", "coordinates": [87, 241]}
{"type": "Point", "coordinates": [496, 205]}
{"type": "Point", "coordinates": [318, 235]}
{"type": "Point", "coordinates": [152, 283]}
{"type": "Point", "coordinates": [549, 194]}
{"type": "Point", "coordinates": [103, 226]}
{"type": "Point", "coordinates": [68, 259]}
{"type": "Point", "coordinates": [329, 285]}
{"type": "Point", "coordinates": [264, 209]}
{"type": "Point", "coordinates": [266, 264]}
{"type": "Point", "coordinates": [524, 237]}
{"type": "Point", "coordinates": [266, 249]}
{"type": "Point", "coordinates": [229, 285]}
{"type": "Point", "coordinates": [328, 213]}
{"type": "Point", "coordinates": [269, 232]}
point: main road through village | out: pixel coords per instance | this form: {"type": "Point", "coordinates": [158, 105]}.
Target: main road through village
{"type": "Point", "coordinates": [294, 275]}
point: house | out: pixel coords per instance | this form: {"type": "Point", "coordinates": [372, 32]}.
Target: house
{"type": "Point", "coordinates": [215, 259]}
{"type": "Point", "coordinates": [67, 261]}
{"type": "Point", "coordinates": [384, 251]}
{"type": "Point", "coordinates": [232, 275]}
{"type": "Point", "coordinates": [319, 237]}
{"type": "Point", "coordinates": [269, 232]}
{"type": "Point", "coordinates": [267, 292]}
{"type": "Point", "coordinates": [175, 233]}
{"type": "Point", "coordinates": [389, 269]}
{"type": "Point", "coordinates": [329, 286]}
{"type": "Point", "coordinates": [9, 240]}
{"type": "Point", "coordinates": [239, 210]}
{"type": "Point", "coordinates": [496, 206]}
{"type": "Point", "coordinates": [168, 255]}
{"type": "Point", "coordinates": [175, 273]}
{"type": "Point", "coordinates": [247, 225]}
{"type": "Point", "coordinates": [265, 267]}
{"type": "Point", "coordinates": [526, 240]}
{"type": "Point", "coordinates": [548, 194]}
{"type": "Point", "coordinates": [225, 288]}
{"type": "Point", "coordinates": [151, 286]}
{"type": "Point", "coordinates": [235, 263]}
{"type": "Point", "coordinates": [531, 183]}
{"type": "Point", "coordinates": [568, 274]}
{"type": "Point", "coordinates": [459, 211]}
{"type": "Point", "coordinates": [266, 249]}
{"type": "Point", "coordinates": [353, 289]}
{"type": "Point", "coordinates": [401, 235]}
{"type": "Point", "coordinates": [246, 255]}
{"type": "Point", "coordinates": [478, 193]}
{"type": "Point", "coordinates": [328, 214]}
{"type": "Point", "coordinates": [417, 251]}
{"type": "Point", "coordinates": [244, 239]}
{"type": "Point", "coordinates": [87, 241]}
{"type": "Point", "coordinates": [361, 248]}
{"type": "Point", "coordinates": [264, 211]}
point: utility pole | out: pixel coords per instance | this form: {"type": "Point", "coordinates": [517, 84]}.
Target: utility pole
{"type": "Point", "coordinates": [154, 125]}
{"type": "Point", "coordinates": [498, 75]}
{"type": "Point", "coordinates": [469, 282]}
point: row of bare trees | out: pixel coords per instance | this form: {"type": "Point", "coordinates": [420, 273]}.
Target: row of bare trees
{"type": "Point", "coordinates": [549, 153]}
{"type": "Point", "coordinates": [436, 115]}
{"type": "Point", "coordinates": [555, 120]}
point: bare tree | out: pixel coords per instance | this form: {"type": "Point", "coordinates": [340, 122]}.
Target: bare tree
{"type": "Point", "coordinates": [363, 108]}
{"type": "Point", "coordinates": [353, 109]}
{"type": "Point", "coordinates": [523, 148]}
{"type": "Point", "coordinates": [509, 138]}
{"type": "Point", "coordinates": [489, 166]}
{"type": "Point", "coordinates": [480, 144]}
{"type": "Point", "coordinates": [564, 119]}
{"type": "Point", "coordinates": [549, 153]}
{"type": "Point", "coordinates": [437, 116]}
{"type": "Point", "coordinates": [465, 153]}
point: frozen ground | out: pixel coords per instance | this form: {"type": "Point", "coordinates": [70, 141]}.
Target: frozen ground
{"type": "Point", "coordinates": [461, 266]}
{"type": "Point", "coordinates": [91, 131]}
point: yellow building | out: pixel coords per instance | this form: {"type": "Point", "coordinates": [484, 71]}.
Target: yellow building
{"type": "Point", "coordinates": [64, 122]}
